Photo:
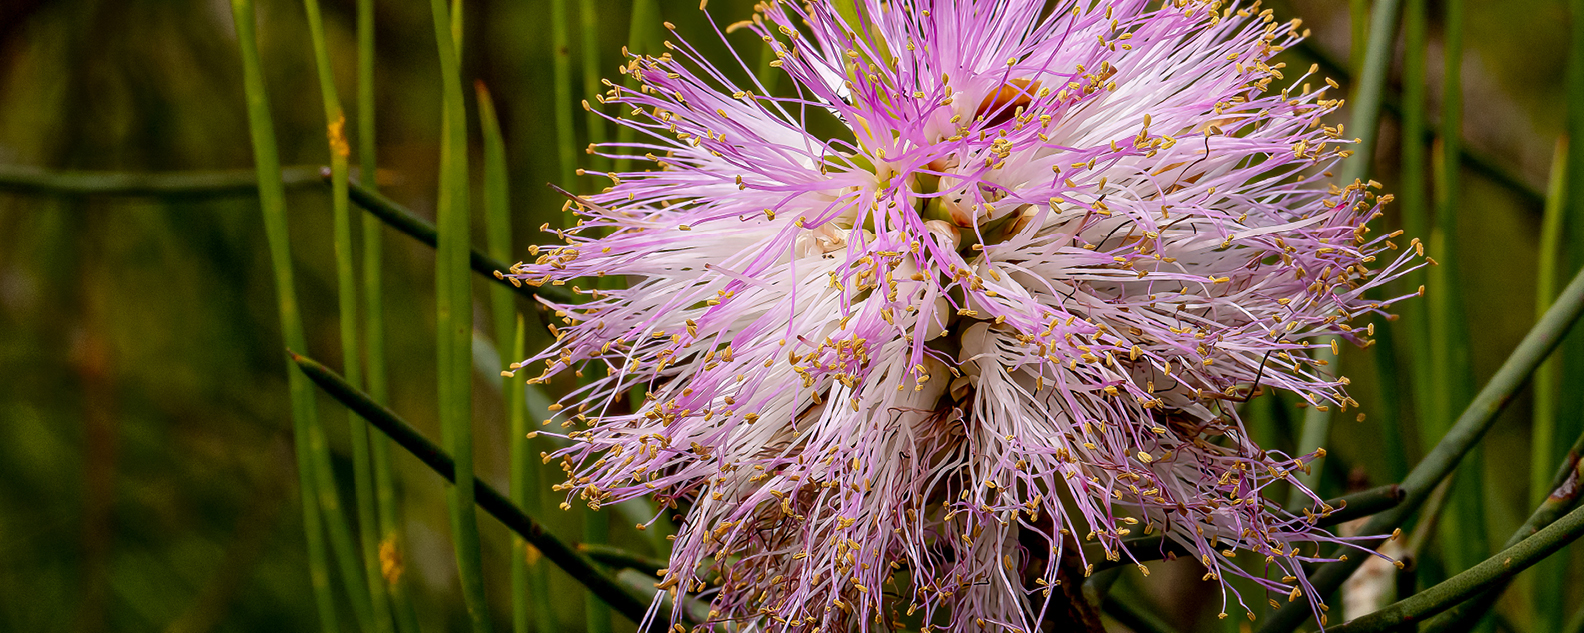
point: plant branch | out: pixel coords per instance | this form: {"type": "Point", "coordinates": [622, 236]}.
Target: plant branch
{"type": "Point", "coordinates": [1492, 572]}
{"type": "Point", "coordinates": [622, 559]}
{"type": "Point", "coordinates": [403, 219]}
{"type": "Point", "coordinates": [1564, 496]}
{"type": "Point", "coordinates": [575, 563]}
{"type": "Point", "coordinates": [175, 184]}
{"type": "Point", "coordinates": [1464, 435]}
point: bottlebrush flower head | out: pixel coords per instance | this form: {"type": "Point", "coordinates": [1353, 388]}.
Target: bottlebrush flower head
{"type": "Point", "coordinates": [985, 281]}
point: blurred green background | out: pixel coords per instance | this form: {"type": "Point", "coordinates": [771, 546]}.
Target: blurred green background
{"type": "Point", "coordinates": [146, 468]}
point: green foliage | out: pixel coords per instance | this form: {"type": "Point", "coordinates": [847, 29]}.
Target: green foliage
{"type": "Point", "coordinates": [147, 464]}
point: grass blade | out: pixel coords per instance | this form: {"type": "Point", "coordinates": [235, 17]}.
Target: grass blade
{"type": "Point", "coordinates": [391, 546]}
{"type": "Point", "coordinates": [561, 69]}
{"type": "Point", "coordinates": [271, 194]}
{"type": "Point", "coordinates": [1472, 425]}
{"type": "Point", "coordinates": [1365, 121]}
{"type": "Point", "coordinates": [1550, 577]}
{"type": "Point", "coordinates": [575, 563]}
{"type": "Point", "coordinates": [371, 603]}
{"type": "Point", "coordinates": [1415, 208]}
{"type": "Point", "coordinates": [645, 14]}
{"type": "Point", "coordinates": [1570, 394]}
{"type": "Point", "coordinates": [596, 526]}
{"type": "Point", "coordinates": [589, 23]}
{"type": "Point", "coordinates": [454, 314]}
{"type": "Point", "coordinates": [509, 326]}
{"type": "Point", "coordinates": [1462, 534]}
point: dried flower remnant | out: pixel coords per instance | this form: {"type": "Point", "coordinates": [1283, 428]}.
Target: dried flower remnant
{"type": "Point", "coordinates": [898, 371]}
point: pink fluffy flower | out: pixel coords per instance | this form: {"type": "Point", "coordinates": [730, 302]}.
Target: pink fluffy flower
{"type": "Point", "coordinates": [987, 282]}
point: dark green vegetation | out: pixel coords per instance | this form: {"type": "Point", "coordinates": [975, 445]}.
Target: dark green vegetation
{"type": "Point", "coordinates": [148, 474]}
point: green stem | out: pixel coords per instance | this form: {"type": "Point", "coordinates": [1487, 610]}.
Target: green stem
{"type": "Point", "coordinates": [1358, 21]}
{"type": "Point", "coordinates": [1463, 541]}
{"type": "Point", "coordinates": [177, 184]}
{"type": "Point", "coordinates": [621, 558]}
{"type": "Point", "coordinates": [1476, 419]}
{"type": "Point", "coordinates": [404, 220]}
{"type": "Point", "coordinates": [376, 613]}
{"type": "Point", "coordinates": [1493, 571]}
{"type": "Point", "coordinates": [508, 325]}
{"type": "Point", "coordinates": [576, 564]}
{"type": "Point", "coordinates": [645, 14]}
{"type": "Point", "coordinates": [1138, 619]}
{"type": "Point", "coordinates": [1367, 96]}
{"type": "Point", "coordinates": [271, 193]}
{"type": "Point", "coordinates": [1497, 170]}
{"type": "Point", "coordinates": [1415, 208]}
{"type": "Point", "coordinates": [1570, 393]}
{"type": "Point", "coordinates": [596, 526]}
{"type": "Point", "coordinates": [1369, 92]}
{"type": "Point", "coordinates": [1353, 506]}
{"type": "Point", "coordinates": [391, 545]}
{"type": "Point", "coordinates": [1550, 577]}
{"type": "Point", "coordinates": [561, 71]}
{"type": "Point", "coordinates": [528, 478]}
{"type": "Point", "coordinates": [1565, 492]}
{"type": "Point", "coordinates": [589, 22]}
{"type": "Point", "coordinates": [454, 314]}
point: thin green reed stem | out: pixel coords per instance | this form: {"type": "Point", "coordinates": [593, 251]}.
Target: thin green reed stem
{"type": "Point", "coordinates": [589, 22]}
{"type": "Point", "coordinates": [596, 527]}
{"type": "Point", "coordinates": [1463, 539]}
{"type": "Point", "coordinates": [1550, 576]}
{"type": "Point", "coordinates": [454, 313]}
{"type": "Point", "coordinates": [575, 563]}
{"type": "Point", "coordinates": [1441, 460]}
{"type": "Point", "coordinates": [391, 546]}
{"type": "Point", "coordinates": [1414, 200]}
{"type": "Point", "coordinates": [566, 145]}
{"type": "Point", "coordinates": [1370, 90]}
{"type": "Point", "coordinates": [177, 185]}
{"type": "Point", "coordinates": [527, 484]}
{"type": "Point", "coordinates": [508, 325]}
{"type": "Point", "coordinates": [1491, 572]}
{"type": "Point", "coordinates": [1358, 23]}
{"type": "Point", "coordinates": [561, 71]}
{"type": "Point", "coordinates": [769, 76]}
{"type": "Point", "coordinates": [645, 14]}
{"type": "Point", "coordinates": [1570, 394]}
{"type": "Point", "coordinates": [1564, 495]}
{"type": "Point", "coordinates": [1367, 97]}
{"type": "Point", "coordinates": [266, 160]}
{"type": "Point", "coordinates": [378, 604]}
{"type": "Point", "coordinates": [1388, 417]}
{"type": "Point", "coordinates": [404, 220]}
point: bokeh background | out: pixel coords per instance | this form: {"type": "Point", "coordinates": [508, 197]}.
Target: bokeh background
{"type": "Point", "coordinates": [146, 468]}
